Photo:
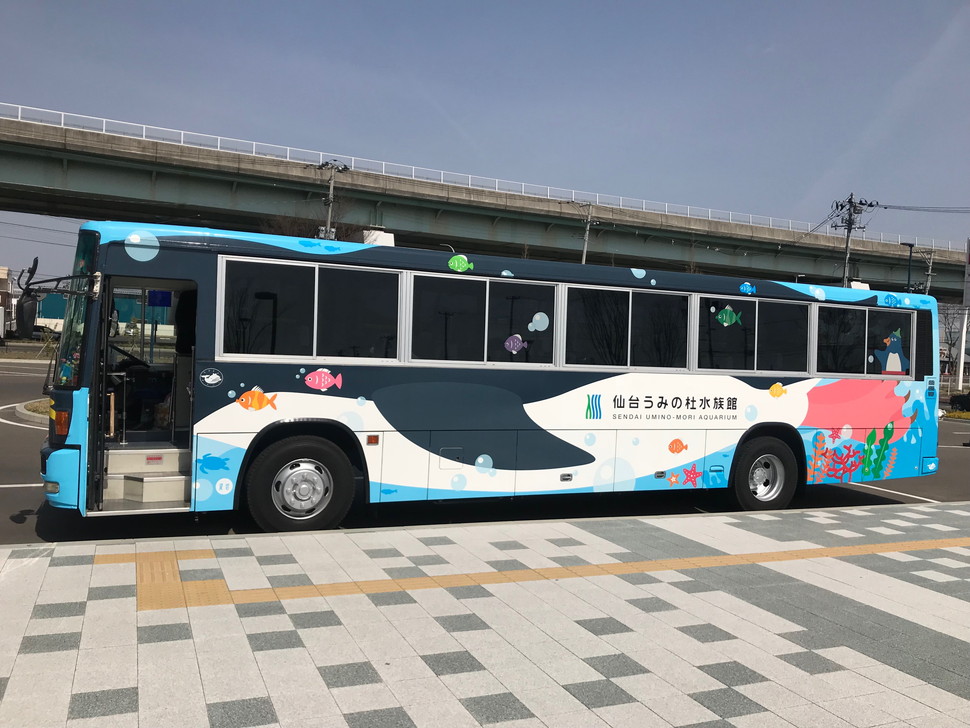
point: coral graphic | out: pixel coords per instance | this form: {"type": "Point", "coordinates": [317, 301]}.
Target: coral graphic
{"type": "Point", "coordinates": [874, 455]}
{"type": "Point", "coordinates": [816, 468]}
{"type": "Point", "coordinates": [891, 460]}
{"type": "Point", "coordinates": [843, 463]}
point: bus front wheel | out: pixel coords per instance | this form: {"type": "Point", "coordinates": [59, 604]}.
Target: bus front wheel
{"type": "Point", "coordinates": [300, 484]}
{"type": "Point", "coordinates": [765, 474]}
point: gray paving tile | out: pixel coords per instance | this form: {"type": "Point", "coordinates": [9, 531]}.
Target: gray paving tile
{"type": "Point", "coordinates": [200, 574]}
{"type": "Point", "coordinates": [727, 703]}
{"type": "Point", "coordinates": [282, 580]}
{"type": "Point", "coordinates": [276, 559]}
{"type": "Point", "coordinates": [638, 578]}
{"type": "Point", "coordinates": [404, 572]}
{"type": "Point", "coordinates": [164, 633]}
{"type": "Point", "coordinates": [719, 723]}
{"type": "Point", "coordinates": [732, 673]}
{"type": "Point", "coordinates": [50, 642]}
{"type": "Point", "coordinates": [436, 541]}
{"type": "Point", "coordinates": [506, 565]}
{"type": "Point", "coordinates": [569, 560]}
{"type": "Point", "coordinates": [692, 586]}
{"type": "Point", "coordinates": [3, 686]}
{"type": "Point", "coordinates": [386, 599]}
{"type": "Point", "coordinates": [100, 703]}
{"type": "Point", "coordinates": [349, 675]}
{"type": "Point", "coordinates": [58, 609]}
{"type": "Point", "coordinates": [242, 713]}
{"type": "Point", "coordinates": [469, 592]}
{"type": "Point", "coordinates": [626, 557]}
{"type": "Point", "coordinates": [651, 604]}
{"type": "Point", "coordinates": [461, 622]}
{"type": "Point", "coordinates": [452, 663]}
{"type": "Point", "coordinates": [427, 560]}
{"type": "Point", "coordinates": [382, 718]}
{"type": "Point", "coordinates": [603, 625]}
{"type": "Point", "coordinates": [312, 620]}
{"type": "Point", "coordinates": [706, 633]}
{"type": "Point", "coordinates": [618, 665]}
{"type": "Point", "coordinates": [383, 553]}
{"type": "Point", "coordinates": [565, 542]}
{"type": "Point", "coordinates": [79, 560]}
{"type": "Point", "coordinates": [507, 545]}
{"type": "Point", "coordinates": [651, 542]}
{"type": "Point", "coordinates": [599, 693]}
{"type": "Point", "coordinates": [260, 641]}
{"type": "Point", "coordinates": [31, 553]}
{"type": "Point", "coordinates": [487, 709]}
{"type": "Point", "coordinates": [111, 592]}
{"type": "Point", "coordinates": [811, 662]}
{"type": "Point", "coordinates": [235, 552]}
{"type": "Point", "coordinates": [260, 609]}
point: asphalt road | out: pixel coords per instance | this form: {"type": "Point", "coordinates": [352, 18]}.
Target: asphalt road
{"type": "Point", "coordinates": [25, 517]}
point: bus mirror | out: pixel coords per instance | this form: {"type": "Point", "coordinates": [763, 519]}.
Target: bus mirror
{"type": "Point", "coordinates": [26, 315]}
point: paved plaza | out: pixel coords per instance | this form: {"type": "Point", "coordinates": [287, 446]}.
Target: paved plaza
{"type": "Point", "coordinates": [844, 617]}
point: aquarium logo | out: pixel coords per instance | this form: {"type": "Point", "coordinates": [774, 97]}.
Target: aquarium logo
{"type": "Point", "coordinates": [593, 409]}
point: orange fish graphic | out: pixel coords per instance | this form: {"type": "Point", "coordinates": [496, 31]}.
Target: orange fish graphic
{"type": "Point", "coordinates": [676, 446]}
{"type": "Point", "coordinates": [255, 399]}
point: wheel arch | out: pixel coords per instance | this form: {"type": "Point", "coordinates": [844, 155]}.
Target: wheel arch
{"type": "Point", "coordinates": [780, 431]}
{"type": "Point", "coordinates": [336, 432]}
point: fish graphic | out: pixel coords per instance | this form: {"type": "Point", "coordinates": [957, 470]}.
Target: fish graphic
{"type": "Point", "coordinates": [776, 390]}
{"type": "Point", "coordinates": [310, 243]}
{"type": "Point", "coordinates": [211, 462]}
{"type": "Point", "coordinates": [212, 378]}
{"type": "Point", "coordinates": [891, 300]}
{"type": "Point", "coordinates": [515, 344]}
{"type": "Point", "coordinates": [388, 491]}
{"type": "Point", "coordinates": [676, 446]}
{"type": "Point", "coordinates": [331, 248]}
{"type": "Point", "coordinates": [726, 316]}
{"type": "Point", "coordinates": [256, 399]}
{"type": "Point", "coordinates": [747, 288]}
{"type": "Point", "coordinates": [459, 264]}
{"type": "Point", "coordinates": [322, 379]}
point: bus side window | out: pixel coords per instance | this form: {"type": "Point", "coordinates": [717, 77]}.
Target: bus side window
{"type": "Point", "coordinates": [889, 342]}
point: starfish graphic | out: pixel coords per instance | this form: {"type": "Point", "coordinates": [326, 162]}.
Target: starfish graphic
{"type": "Point", "coordinates": [834, 433]}
{"type": "Point", "coordinates": [673, 480]}
{"type": "Point", "coordinates": [691, 476]}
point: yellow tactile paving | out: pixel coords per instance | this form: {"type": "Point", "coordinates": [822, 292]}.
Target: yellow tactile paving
{"type": "Point", "coordinates": [160, 586]}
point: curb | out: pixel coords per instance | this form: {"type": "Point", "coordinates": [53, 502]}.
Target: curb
{"type": "Point", "coordinates": [31, 417]}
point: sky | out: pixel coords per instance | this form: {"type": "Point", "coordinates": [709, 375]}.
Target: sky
{"type": "Point", "coordinates": [751, 106]}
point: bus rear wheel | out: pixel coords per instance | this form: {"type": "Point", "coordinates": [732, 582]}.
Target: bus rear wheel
{"type": "Point", "coordinates": [765, 475]}
{"type": "Point", "coordinates": [300, 484]}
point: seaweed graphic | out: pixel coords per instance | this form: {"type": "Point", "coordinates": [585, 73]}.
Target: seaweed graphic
{"type": "Point", "coordinates": [890, 462]}
{"type": "Point", "coordinates": [875, 454]}
{"type": "Point", "coordinates": [844, 463]}
{"type": "Point", "coordinates": [816, 470]}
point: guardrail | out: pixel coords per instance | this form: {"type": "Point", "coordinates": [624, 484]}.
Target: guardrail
{"type": "Point", "coordinates": [306, 156]}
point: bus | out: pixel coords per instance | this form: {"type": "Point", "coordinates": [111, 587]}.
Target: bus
{"type": "Point", "coordinates": [207, 370]}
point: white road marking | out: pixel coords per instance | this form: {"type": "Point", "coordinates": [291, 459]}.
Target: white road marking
{"type": "Point", "coordinates": [18, 424]}
{"type": "Point", "coordinates": [21, 485]}
{"type": "Point", "coordinates": [896, 492]}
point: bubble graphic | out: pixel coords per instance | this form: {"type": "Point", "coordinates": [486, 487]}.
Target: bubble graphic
{"type": "Point", "coordinates": [458, 482]}
{"type": "Point", "coordinates": [492, 473]}
{"type": "Point", "coordinates": [352, 420]}
{"type": "Point", "coordinates": [141, 245]}
{"type": "Point", "coordinates": [653, 281]}
{"type": "Point", "coordinates": [508, 274]}
{"type": "Point", "coordinates": [590, 438]}
{"type": "Point", "coordinates": [636, 440]}
{"type": "Point", "coordinates": [231, 393]}
{"type": "Point", "coordinates": [713, 309]}
{"type": "Point", "coordinates": [203, 490]}
{"type": "Point", "coordinates": [302, 370]}
{"type": "Point", "coordinates": [751, 413]}
{"type": "Point", "coordinates": [483, 463]}
{"type": "Point", "coordinates": [540, 322]}
{"type": "Point", "coordinates": [846, 432]}
{"type": "Point", "coordinates": [817, 292]}
{"type": "Point", "coordinates": [361, 401]}
{"type": "Point", "coordinates": [638, 272]}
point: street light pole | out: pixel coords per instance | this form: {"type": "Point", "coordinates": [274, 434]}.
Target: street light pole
{"type": "Point", "coordinates": [909, 268]}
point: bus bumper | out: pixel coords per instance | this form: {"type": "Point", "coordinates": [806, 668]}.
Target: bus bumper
{"type": "Point", "coordinates": [61, 473]}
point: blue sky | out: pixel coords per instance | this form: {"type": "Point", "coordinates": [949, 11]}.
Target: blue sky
{"type": "Point", "coordinates": [763, 107]}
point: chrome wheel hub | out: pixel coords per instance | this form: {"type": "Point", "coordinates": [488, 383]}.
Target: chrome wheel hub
{"type": "Point", "coordinates": [302, 488]}
{"type": "Point", "coordinates": [766, 478]}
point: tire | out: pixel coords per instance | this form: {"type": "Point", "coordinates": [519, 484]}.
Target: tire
{"type": "Point", "coordinates": [765, 475]}
{"type": "Point", "coordinates": [300, 484]}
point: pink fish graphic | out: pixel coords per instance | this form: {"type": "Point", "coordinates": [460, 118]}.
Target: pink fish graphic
{"type": "Point", "coordinates": [322, 379]}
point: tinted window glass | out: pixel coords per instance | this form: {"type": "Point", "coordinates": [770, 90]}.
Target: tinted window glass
{"type": "Point", "coordinates": [520, 322]}
{"type": "Point", "coordinates": [782, 337]}
{"type": "Point", "coordinates": [449, 319]}
{"type": "Point", "coordinates": [268, 309]}
{"type": "Point", "coordinates": [357, 313]}
{"type": "Point", "coordinates": [889, 342]}
{"type": "Point", "coordinates": [597, 326]}
{"type": "Point", "coordinates": [659, 336]}
{"type": "Point", "coordinates": [726, 333]}
{"type": "Point", "coordinates": [841, 340]}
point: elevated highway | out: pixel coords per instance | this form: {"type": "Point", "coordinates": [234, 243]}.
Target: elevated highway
{"type": "Point", "coordinates": [58, 170]}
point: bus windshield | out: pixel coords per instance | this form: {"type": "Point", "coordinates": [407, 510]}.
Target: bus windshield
{"type": "Point", "coordinates": [72, 334]}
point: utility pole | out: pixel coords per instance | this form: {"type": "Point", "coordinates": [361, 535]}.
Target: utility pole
{"type": "Point", "coordinates": [589, 221]}
{"type": "Point", "coordinates": [334, 166]}
{"type": "Point", "coordinates": [850, 209]}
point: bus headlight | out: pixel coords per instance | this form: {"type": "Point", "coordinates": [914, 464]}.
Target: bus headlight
{"type": "Point", "coordinates": [52, 487]}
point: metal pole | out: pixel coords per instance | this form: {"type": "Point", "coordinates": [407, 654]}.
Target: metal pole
{"type": "Point", "coordinates": [845, 268]}
{"type": "Point", "coordinates": [589, 221]}
{"type": "Point", "coordinates": [909, 270]}
{"type": "Point", "coordinates": [330, 235]}
{"type": "Point", "coordinates": [963, 348]}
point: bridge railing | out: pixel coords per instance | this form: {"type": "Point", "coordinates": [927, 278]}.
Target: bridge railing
{"type": "Point", "coordinates": [407, 171]}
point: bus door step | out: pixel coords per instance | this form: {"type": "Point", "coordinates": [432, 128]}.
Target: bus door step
{"type": "Point", "coordinates": [153, 487]}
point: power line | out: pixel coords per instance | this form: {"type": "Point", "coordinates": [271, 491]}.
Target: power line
{"type": "Point", "coordinates": [919, 208]}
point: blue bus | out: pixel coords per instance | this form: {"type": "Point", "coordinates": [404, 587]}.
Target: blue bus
{"type": "Point", "coordinates": [295, 376]}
